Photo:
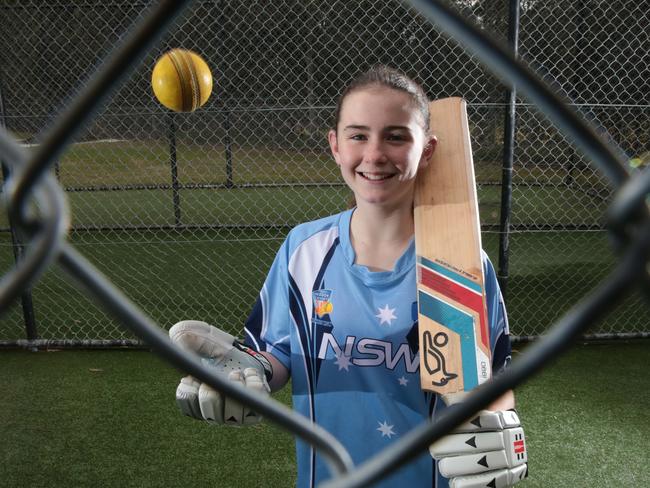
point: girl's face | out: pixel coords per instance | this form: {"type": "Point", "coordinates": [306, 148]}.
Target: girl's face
{"type": "Point", "coordinates": [380, 144]}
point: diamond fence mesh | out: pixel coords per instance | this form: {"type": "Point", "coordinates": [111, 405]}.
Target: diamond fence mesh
{"type": "Point", "coordinates": [184, 212]}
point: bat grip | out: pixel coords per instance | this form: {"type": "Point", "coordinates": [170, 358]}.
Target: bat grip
{"type": "Point", "coordinates": [454, 398]}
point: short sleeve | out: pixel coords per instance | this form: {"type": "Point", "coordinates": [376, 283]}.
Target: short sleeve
{"type": "Point", "coordinates": [497, 318]}
{"type": "Point", "coordinates": [267, 327]}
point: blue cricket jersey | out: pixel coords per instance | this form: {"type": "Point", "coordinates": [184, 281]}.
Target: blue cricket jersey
{"type": "Point", "coordinates": [348, 337]}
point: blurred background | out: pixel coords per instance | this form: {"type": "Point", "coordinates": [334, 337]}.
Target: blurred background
{"type": "Point", "coordinates": [184, 212]}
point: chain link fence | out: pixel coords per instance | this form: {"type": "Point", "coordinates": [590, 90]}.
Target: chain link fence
{"type": "Point", "coordinates": [184, 212]}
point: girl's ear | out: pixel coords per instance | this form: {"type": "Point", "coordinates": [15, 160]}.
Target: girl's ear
{"type": "Point", "coordinates": [429, 148]}
{"type": "Point", "coordinates": [334, 145]}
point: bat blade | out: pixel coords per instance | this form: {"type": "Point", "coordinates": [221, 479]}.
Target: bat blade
{"type": "Point", "coordinates": [452, 312]}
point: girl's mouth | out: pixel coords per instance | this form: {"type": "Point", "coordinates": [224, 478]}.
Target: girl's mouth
{"type": "Point", "coordinates": [376, 176]}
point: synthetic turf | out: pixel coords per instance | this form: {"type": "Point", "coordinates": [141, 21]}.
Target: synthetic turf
{"type": "Point", "coordinates": [107, 418]}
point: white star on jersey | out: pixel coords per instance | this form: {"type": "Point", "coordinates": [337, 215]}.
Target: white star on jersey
{"type": "Point", "coordinates": [342, 361]}
{"type": "Point", "coordinates": [385, 429]}
{"type": "Point", "coordinates": [403, 381]}
{"type": "Point", "coordinates": [386, 315]}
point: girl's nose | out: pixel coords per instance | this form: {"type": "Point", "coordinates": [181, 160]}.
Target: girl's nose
{"type": "Point", "coordinates": [375, 153]}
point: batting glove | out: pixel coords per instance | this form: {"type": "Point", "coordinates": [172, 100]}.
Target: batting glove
{"type": "Point", "coordinates": [228, 357]}
{"type": "Point", "coordinates": [487, 451]}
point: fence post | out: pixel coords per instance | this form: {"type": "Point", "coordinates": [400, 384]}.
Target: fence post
{"type": "Point", "coordinates": [171, 136]}
{"type": "Point", "coordinates": [508, 155]}
{"type": "Point", "coordinates": [16, 241]}
{"type": "Point", "coordinates": [576, 83]}
{"type": "Point", "coordinates": [228, 143]}
{"type": "Point", "coordinates": [227, 113]}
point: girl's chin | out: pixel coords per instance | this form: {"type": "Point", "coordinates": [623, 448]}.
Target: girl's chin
{"type": "Point", "coordinates": [382, 200]}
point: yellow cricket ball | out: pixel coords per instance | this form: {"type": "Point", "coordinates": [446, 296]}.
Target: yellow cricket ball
{"type": "Point", "coordinates": [181, 80]}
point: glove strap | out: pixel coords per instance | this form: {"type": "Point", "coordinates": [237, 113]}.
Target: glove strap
{"type": "Point", "coordinates": [268, 369]}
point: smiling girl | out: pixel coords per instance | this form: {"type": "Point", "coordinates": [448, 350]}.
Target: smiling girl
{"type": "Point", "coordinates": [338, 314]}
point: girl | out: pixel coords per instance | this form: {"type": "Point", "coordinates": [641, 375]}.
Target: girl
{"type": "Point", "coordinates": [338, 312]}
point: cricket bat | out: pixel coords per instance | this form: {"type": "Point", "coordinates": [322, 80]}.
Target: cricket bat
{"type": "Point", "coordinates": [452, 313]}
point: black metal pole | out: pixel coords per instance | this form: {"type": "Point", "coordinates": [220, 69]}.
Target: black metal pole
{"type": "Point", "coordinates": [26, 299]}
{"type": "Point", "coordinates": [577, 85]}
{"type": "Point", "coordinates": [508, 155]}
{"type": "Point", "coordinates": [171, 135]}
{"type": "Point", "coordinates": [227, 121]}
{"type": "Point", "coordinates": [228, 143]}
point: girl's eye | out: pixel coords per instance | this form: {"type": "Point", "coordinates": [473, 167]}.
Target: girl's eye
{"type": "Point", "coordinates": [396, 137]}
{"type": "Point", "coordinates": [358, 137]}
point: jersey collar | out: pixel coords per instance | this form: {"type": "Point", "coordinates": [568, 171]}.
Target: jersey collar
{"type": "Point", "coordinates": [404, 264]}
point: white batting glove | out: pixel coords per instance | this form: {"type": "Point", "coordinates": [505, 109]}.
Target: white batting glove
{"type": "Point", "coordinates": [238, 363]}
{"type": "Point", "coordinates": [487, 451]}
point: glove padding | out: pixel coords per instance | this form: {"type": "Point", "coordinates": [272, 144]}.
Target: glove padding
{"type": "Point", "coordinates": [487, 451]}
{"type": "Point", "coordinates": [228, 357]}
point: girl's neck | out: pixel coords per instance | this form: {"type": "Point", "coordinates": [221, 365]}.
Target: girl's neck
{"type": "Point", "coordinates": [380, 236]}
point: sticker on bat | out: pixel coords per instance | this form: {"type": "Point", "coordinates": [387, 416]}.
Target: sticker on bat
{"type": "Point", "coordinates": [434, 359]}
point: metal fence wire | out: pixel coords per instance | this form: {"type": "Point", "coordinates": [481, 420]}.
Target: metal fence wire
{"type": "Point", "coordinates": [41, 228]}
{"type": "Point", "coordinates": [184, 212]}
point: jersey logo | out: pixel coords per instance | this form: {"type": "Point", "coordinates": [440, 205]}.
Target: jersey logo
{"type": "Point", "coordinates": [367, 352]}
{"type": "Point", "coordinates": [322, 303]}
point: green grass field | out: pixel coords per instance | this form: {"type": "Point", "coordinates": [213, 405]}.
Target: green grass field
{"type": "Point", "coordinates": [107, 418]}
{"type": "Point", "coordinates": [216, 276]}
{"type": "Point", "coordinates": [214, 273]}
{"type": "Point", "coordinates": [147, 162]}
{"type": "Point", "coordinates": [544, 206]}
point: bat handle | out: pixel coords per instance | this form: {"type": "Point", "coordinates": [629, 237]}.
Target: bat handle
{"type": "Point", "coordinates": [453, 398]}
